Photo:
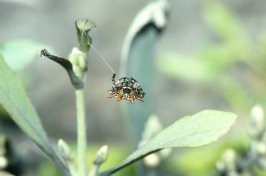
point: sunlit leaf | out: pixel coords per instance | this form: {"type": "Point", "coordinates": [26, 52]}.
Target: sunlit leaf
{"type": "Point", "coordinates": [15, 101]}
{"type": "Point", "coordinates": [190, 131]}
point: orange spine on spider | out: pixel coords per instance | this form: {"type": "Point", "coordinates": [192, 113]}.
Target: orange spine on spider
{"type": "Point", "coordinates": [126, 89]}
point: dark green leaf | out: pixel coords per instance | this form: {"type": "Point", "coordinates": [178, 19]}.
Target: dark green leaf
{"type": "Point", "coordinates": [67, 65]}
{"type": "Point", "coordinates": [15, 101]}
{"type": "Point", "coordinates": [138, 59]}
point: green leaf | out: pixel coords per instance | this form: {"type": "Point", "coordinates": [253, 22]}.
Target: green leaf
{"type": "Point", "coordinates": [15, 101]}
{"type": "Point", "coordinates": [138, 59]}
{"type": "Point", "coordinates": [190, 131]}
{"type": "Point", "coordinates": [20, 53]}
{"type": "Point", "coordinates": [83, 27]}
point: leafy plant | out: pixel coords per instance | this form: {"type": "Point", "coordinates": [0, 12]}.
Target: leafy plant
{"type": "Point", "coordinates": [17, 104]}
{"type": "Point", "coordinates": [190, 131]}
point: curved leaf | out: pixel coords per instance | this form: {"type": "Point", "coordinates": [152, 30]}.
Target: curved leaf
{"type": "Point", "coordinates": [190, 131]}
{"type": "Point", "coordinates": [83, 27]}
{"type": "Point", "coordinates": [15, 101]}
{"type": "Point", "coordinates": [67, 65]}
{"type": "Point", "coordinates": [137, 59]}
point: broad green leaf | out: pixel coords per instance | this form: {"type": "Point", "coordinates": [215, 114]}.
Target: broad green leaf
{"type": "Point", "coordinates": [190, 131]}
{"type": "Point", "coordinates": [138, 59]}
{"type": "Point", "coordinates": [19, 53]}
{"type": "Point", "coordinates": [15, 101]}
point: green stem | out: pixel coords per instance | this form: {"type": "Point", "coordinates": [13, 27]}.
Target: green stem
{"type": "Point", "coordinates": [94, 170]}
{"type": "Point", "coordinates": [81, 130]}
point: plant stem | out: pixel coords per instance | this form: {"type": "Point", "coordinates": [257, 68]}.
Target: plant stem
{"type": "Point", "coordinates": [81, 130]}
{"type": "Point", "coordinates": [94, 170]}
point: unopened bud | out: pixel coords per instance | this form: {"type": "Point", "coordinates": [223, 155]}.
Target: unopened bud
{"type": "Point", "coordinates": [152, 160]}
{"type": "Point", "coordinates": [152, 127]}
{"type": "Point", "coordinates": [228, 162]}
{"type": "Point", "coordinates": [65, 151]}
{"type": "Point", "coordinates": [101, 155]}
{"type": "Point", "coordinates": [79, 62]}
{"type": "Point", "coordinates": [256, 125]}
{"type": "Point", "coordinates": [3, 162]}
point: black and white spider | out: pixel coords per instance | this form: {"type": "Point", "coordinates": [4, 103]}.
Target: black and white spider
{"type": "Point", "coordinates": [127, 89]}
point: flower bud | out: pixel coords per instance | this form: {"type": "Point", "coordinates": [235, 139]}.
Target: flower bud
{"type": "Point", "coordinates": [65, 151]}
{"type": "Point", "coordinates": [256, 125]}
{"type": "Point", "coordinates": [101, 155]}
{"type": "Point", "coordinates": [79, 62]}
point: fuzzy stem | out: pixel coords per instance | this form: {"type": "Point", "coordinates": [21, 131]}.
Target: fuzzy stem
{"type": "Point", "coordinates": [94, 170]}
{"type": "Point", "coordinates": [81, 130]}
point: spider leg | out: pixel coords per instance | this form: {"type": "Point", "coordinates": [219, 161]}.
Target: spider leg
{"type": "Point", "coordinates": [111, 95]}
{"type": "Point", "coordinates": [140, 99]}
{"type": "Point", "coordinates": [119, 97]}
{"type": "Point", "coordinates": [131, 99]}
{"type": "Point", "coordinates": [113, 78]}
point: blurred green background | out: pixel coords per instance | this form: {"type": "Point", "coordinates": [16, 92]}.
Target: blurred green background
{"type": "Point", "coordinates": [211, 56]}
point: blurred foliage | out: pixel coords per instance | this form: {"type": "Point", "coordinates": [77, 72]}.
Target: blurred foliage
{"type": "Point", "coordinates": [46, 168]}
{"type": "Point", "coordinates": [203, 159]}
{"type": "Point", "coordinates": [234, 62]}
{"type": "Point", "coordinates": [20, 53]}
{"type": "Point", "coordinates": [116, 152]}
{"type": "Point", "coordinates": [116, 155]}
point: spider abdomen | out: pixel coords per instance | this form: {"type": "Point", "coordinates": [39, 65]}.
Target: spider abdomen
{"type": "Point", "coordinates": [127, 89]}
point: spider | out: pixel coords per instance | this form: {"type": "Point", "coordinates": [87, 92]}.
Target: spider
{"type": "Point", "coordinates": [127, 89]}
